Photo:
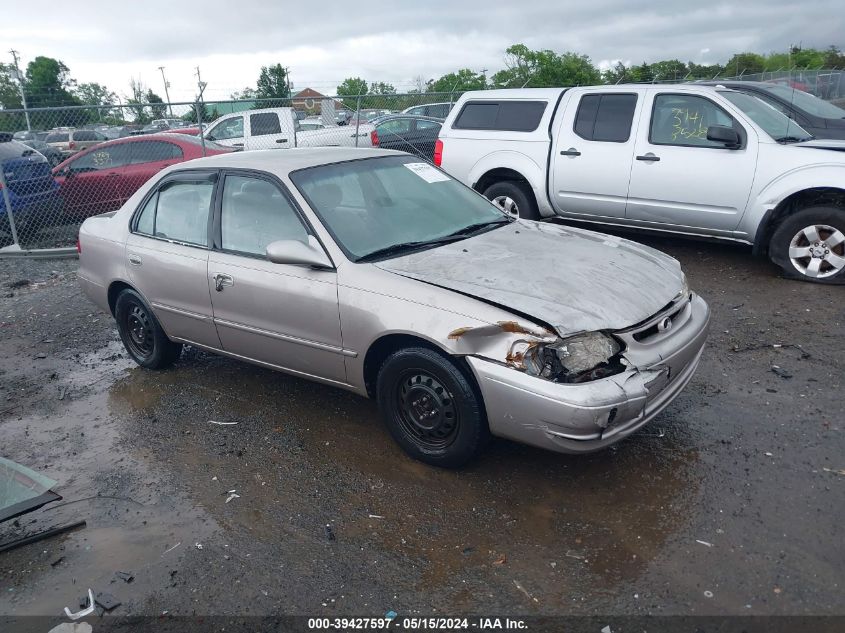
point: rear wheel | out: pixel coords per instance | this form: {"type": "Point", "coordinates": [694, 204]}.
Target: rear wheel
{"type": "Point", "coordinates": [810, 245]}
{"type": "Point", "coordinates": [430, 408]}
{"type": "Point", "coordinates": [514, 197]}
{"type": "Point", "coordinates": [142, 334]}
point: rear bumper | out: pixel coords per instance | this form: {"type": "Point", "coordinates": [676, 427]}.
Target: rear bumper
{"type": "Point", "coordinates": [585, 417]}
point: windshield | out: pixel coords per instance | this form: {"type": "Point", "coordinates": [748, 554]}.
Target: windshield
{"type": "Point", "coordinates": [806, 102]}
{"type": "Point", "coordinates": [393, 201]}
{"type": "Point", "coordinates": [777, 125]}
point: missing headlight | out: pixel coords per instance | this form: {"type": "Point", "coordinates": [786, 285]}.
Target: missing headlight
{"type": "Point", "coordinates": [579, 358]}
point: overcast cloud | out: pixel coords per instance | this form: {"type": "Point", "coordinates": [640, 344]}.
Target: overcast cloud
{"type": "Point", "coordinates": [325, 41]}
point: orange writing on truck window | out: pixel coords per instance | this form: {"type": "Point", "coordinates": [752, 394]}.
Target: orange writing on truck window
{"type": "Point", "coordinates": [687, 124]}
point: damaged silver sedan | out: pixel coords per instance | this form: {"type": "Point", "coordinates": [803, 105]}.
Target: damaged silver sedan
{"type": "Point", "coordinates": [374, 272]}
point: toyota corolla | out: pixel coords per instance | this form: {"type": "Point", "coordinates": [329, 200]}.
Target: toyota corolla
{"type": "Point", "coordinates": [374, 272]}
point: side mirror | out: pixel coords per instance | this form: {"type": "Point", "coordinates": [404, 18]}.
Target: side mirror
{"type": "Point", "coordinates": [298, 253]}
{"type": "Point", "coordinates": [209, 137]}
{"type": "Point", "coordinates": [728, 136]}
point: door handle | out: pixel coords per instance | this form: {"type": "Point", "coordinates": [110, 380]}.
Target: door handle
{"type": "Point", "coordinates": [134, 260]}
{"type": "Point", "coordinates": [649, 158]}
{"type": "Point", "coordinates": [237, 144]}
{"type": "Point", "coordinates": [221, 281]}
{"type": "Point", "coordinates": [570, 152]}
{"type": "Point", "coordinates": [112, 174]}
{"type": "Point", "coordinates": [281, 140]}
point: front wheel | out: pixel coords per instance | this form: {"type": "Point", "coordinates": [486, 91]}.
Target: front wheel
{"type": "Point", "coordinates": [142, 334]}
{"type": "Point", "coordinates": [514, 197]}
{"type": "Point", "coordinates": [810, 245]}
{"type": "Point", "coordinates": [430, 408]}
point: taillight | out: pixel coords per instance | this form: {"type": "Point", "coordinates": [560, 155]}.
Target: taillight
{"type": "Point", "coordinates": [71, 145]}
{"type": "Point", "coordinates": [374, 138]}
{"type": "Point", "coordinates": [438, 152]}
{"type": "Point", "coordinates": [78, 245]}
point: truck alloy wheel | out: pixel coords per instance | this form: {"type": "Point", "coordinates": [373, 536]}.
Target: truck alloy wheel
{"type": "Point", "coordinates": [818, 251]}
{"type": "Point", "coordinates": [507, 203]}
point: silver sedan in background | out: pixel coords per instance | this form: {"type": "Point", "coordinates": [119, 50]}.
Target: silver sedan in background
{"type": "Point", "coordinates": [375, 272]}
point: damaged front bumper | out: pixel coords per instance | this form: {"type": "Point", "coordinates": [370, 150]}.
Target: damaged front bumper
{"type": "Point", "coordinates": [585, 417]}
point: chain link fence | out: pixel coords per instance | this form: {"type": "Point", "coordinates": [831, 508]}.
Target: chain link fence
{"type": "Point", "coordinates": [62, 165]}
{"type": "Point", "coordinates": [824, 84]}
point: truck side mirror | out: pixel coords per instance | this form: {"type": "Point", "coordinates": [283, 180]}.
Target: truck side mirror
{"type": "Point", "coordinates": [725, 135]}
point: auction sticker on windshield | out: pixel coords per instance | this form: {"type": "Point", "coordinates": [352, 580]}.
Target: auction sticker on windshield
{"type": "Point", "coordinates": [427, 172]}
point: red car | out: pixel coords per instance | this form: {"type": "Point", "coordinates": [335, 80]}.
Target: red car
{"type": "Point", "coordinates": [102, 178]}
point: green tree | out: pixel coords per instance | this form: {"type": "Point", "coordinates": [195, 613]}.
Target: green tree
{"type": "Point", "coordinates": [350, 88]}
{"type": "Point", "coordinates": [158, 109]}
{"type": "Point", "coordinates": [463, 80]}
{"type": "Point", "coordinates": [247, 94]}
{"type": "Point", "coordinates": [833, 57]}
{"type": "Point", "coordinates": [137, 101]}
{"type": "Point", "coordinates": [545, 68]}
{"type": "Point", "coordinates": [745, 64]}
{"type": "Point", "coordinates": [48, 84]}
{"type": "Point", "coordinates": [273, 83]}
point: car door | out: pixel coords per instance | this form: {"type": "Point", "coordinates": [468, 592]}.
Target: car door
{"type": "Point", "coordinates": [146, 159]}
{"type": "Point", "coordinates": [426, 137]}
{"type": "Point", "coordinates": [395, 134]}
{"type": "Point", "coordinates": [592, 153]}
{"type": "Point", "coordinates": [280, 314]}
{"type": "Point", "coordinates": [680, 178]}
{"type": "Point", "coordinates": [229, 131]}
{"type": "Point", "coordinates": [91, 183]}
{"type": "Point", "coordinates": [167, 255]}
{"type": "Point", "coordinates": [267, 131]}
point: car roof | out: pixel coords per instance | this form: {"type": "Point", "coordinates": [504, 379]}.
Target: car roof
{"type": "Point", "coordinates": [284, 161]}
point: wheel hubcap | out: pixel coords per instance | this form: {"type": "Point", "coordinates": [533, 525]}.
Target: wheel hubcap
{"type": "Point", "coordinates": [508, 204]}
{"type": "Point", "coordinates": [818, 251]}
{"type": "Point", "coordinates": [140, 331]}
{"type": "Point", "coordinates": [426, 410]}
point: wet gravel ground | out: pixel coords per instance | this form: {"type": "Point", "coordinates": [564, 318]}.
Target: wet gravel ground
{"type": "Point", "coordinates": [731, 502]}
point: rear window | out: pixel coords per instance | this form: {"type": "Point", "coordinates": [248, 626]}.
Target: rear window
{"type": "Point", "coordinates": [264, 123]}
{"type": "Point", "coordinates": [605, 117]}
{"type": "Point", "coordinates": [61, 137]}
{"type": "Point", "coordinates": [511, 116]}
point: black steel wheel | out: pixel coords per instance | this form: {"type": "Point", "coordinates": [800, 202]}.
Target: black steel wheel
{"type": "Point", "coordinates": [431, 407]}
{"type": "Point", "coordinates": [141, 333]}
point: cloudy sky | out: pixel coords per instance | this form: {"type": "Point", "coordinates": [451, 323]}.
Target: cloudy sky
{"type": "Point", "coordinates": [325, 41]}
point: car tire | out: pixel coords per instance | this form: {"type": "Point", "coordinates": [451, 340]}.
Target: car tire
{"type": "Point", "coordinates": [141, 333]}
{"type": "Point", "coordinates": [810, 245]}
{"type": "Point", "coordinates": [514, 197]}
{"type": "Point", "coordinates": [431, 408]}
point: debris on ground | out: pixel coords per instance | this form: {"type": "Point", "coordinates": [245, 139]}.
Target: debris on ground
{"type": "Point", "coordinates": [18, 283]}
{"type": "Point", "coordinates": [221, 423]}
{"type": "Point", "coordinates": [524, 591]}
{"type": "Point", "coordinates": [704, 543]}
{"type": "Point", "coordinates": [779, 371]}
{"type": "Point", "coordinates": [38, 536]}
{"type": "Point", "coordinates": [87, 610]}
{"type": "Point", "coordinates": [105, 602]}
{"type": "Point", "coordinates": [232, 495]}
{"type": "Point", "coordinates": [198, 545]}
{"type": "Point", "coordinates": [170, 549]}
{"type": "Point", "coordinates": [834, 471]}
{"type": "Point", "coordinates": [708, 594]}
{"type": "Point", "coordinates": [571, 554]}
{"type": "Point", "coordinates": [329, 532]}
{"type": "Point", "coordinates": [125, 576]}
{"type": "Point", "coordinates": [72, 627]}
{"type": "Point", "coordinates": [501, 560]}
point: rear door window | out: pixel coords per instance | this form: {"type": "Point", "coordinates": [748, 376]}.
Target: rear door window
{"type": "Point", "coordinates": [179, 211]}
{"type": "Point", "coordinates": [154, 151]}
{"type": "Point", "coordinates": [605, 117]}
{"type": "Point", "coordinates": [84, 135]}
{"type": "Point", "coordinates": [61, 137]}
{"type": "Point", "coordinates": [264, 123]}
{"type": "Point", "coordinates": [511, 116]}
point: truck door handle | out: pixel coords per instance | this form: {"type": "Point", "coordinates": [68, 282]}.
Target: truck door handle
{"type": "Point", "coordinates": [134, 260]}
{"type": "Point", "coordinates": [221, 281]}
{"type": "Point", "coordinates": [570, 152]}
{"type": "Point", "coordinates": [281, 140]}
{"type": "Point", "coordinates": [237, 144]}
{"type": "Point", "coordinates": [649, 158]}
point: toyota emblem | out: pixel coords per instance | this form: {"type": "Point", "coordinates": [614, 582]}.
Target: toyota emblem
{"type": "Point", "coordinates": [664, 325]}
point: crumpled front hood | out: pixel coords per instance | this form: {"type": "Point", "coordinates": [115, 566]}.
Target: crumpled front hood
{"type": "Point", "coordinates": [572, 279]}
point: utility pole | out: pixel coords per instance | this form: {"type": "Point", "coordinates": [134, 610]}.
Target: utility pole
{"type": "Point", "coordinates": [166, 93]}
{"type": "Point", "coordinates": [199, 105]}
{"type": "Point", "coordinates": [287, 79]}
{"type": "Point", "coordinates": [19, 77]}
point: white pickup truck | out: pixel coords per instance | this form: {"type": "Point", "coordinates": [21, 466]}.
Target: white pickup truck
{"type": "Point", "coordinates": [278, 128]}
{"type": "Point", "coordinates": [690, 159]}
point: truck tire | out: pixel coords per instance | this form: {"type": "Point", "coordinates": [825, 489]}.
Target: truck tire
{"type": "Point", "coordinates": [810, 245]}
{"type": "Point", "coordinates": [514, 197]}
